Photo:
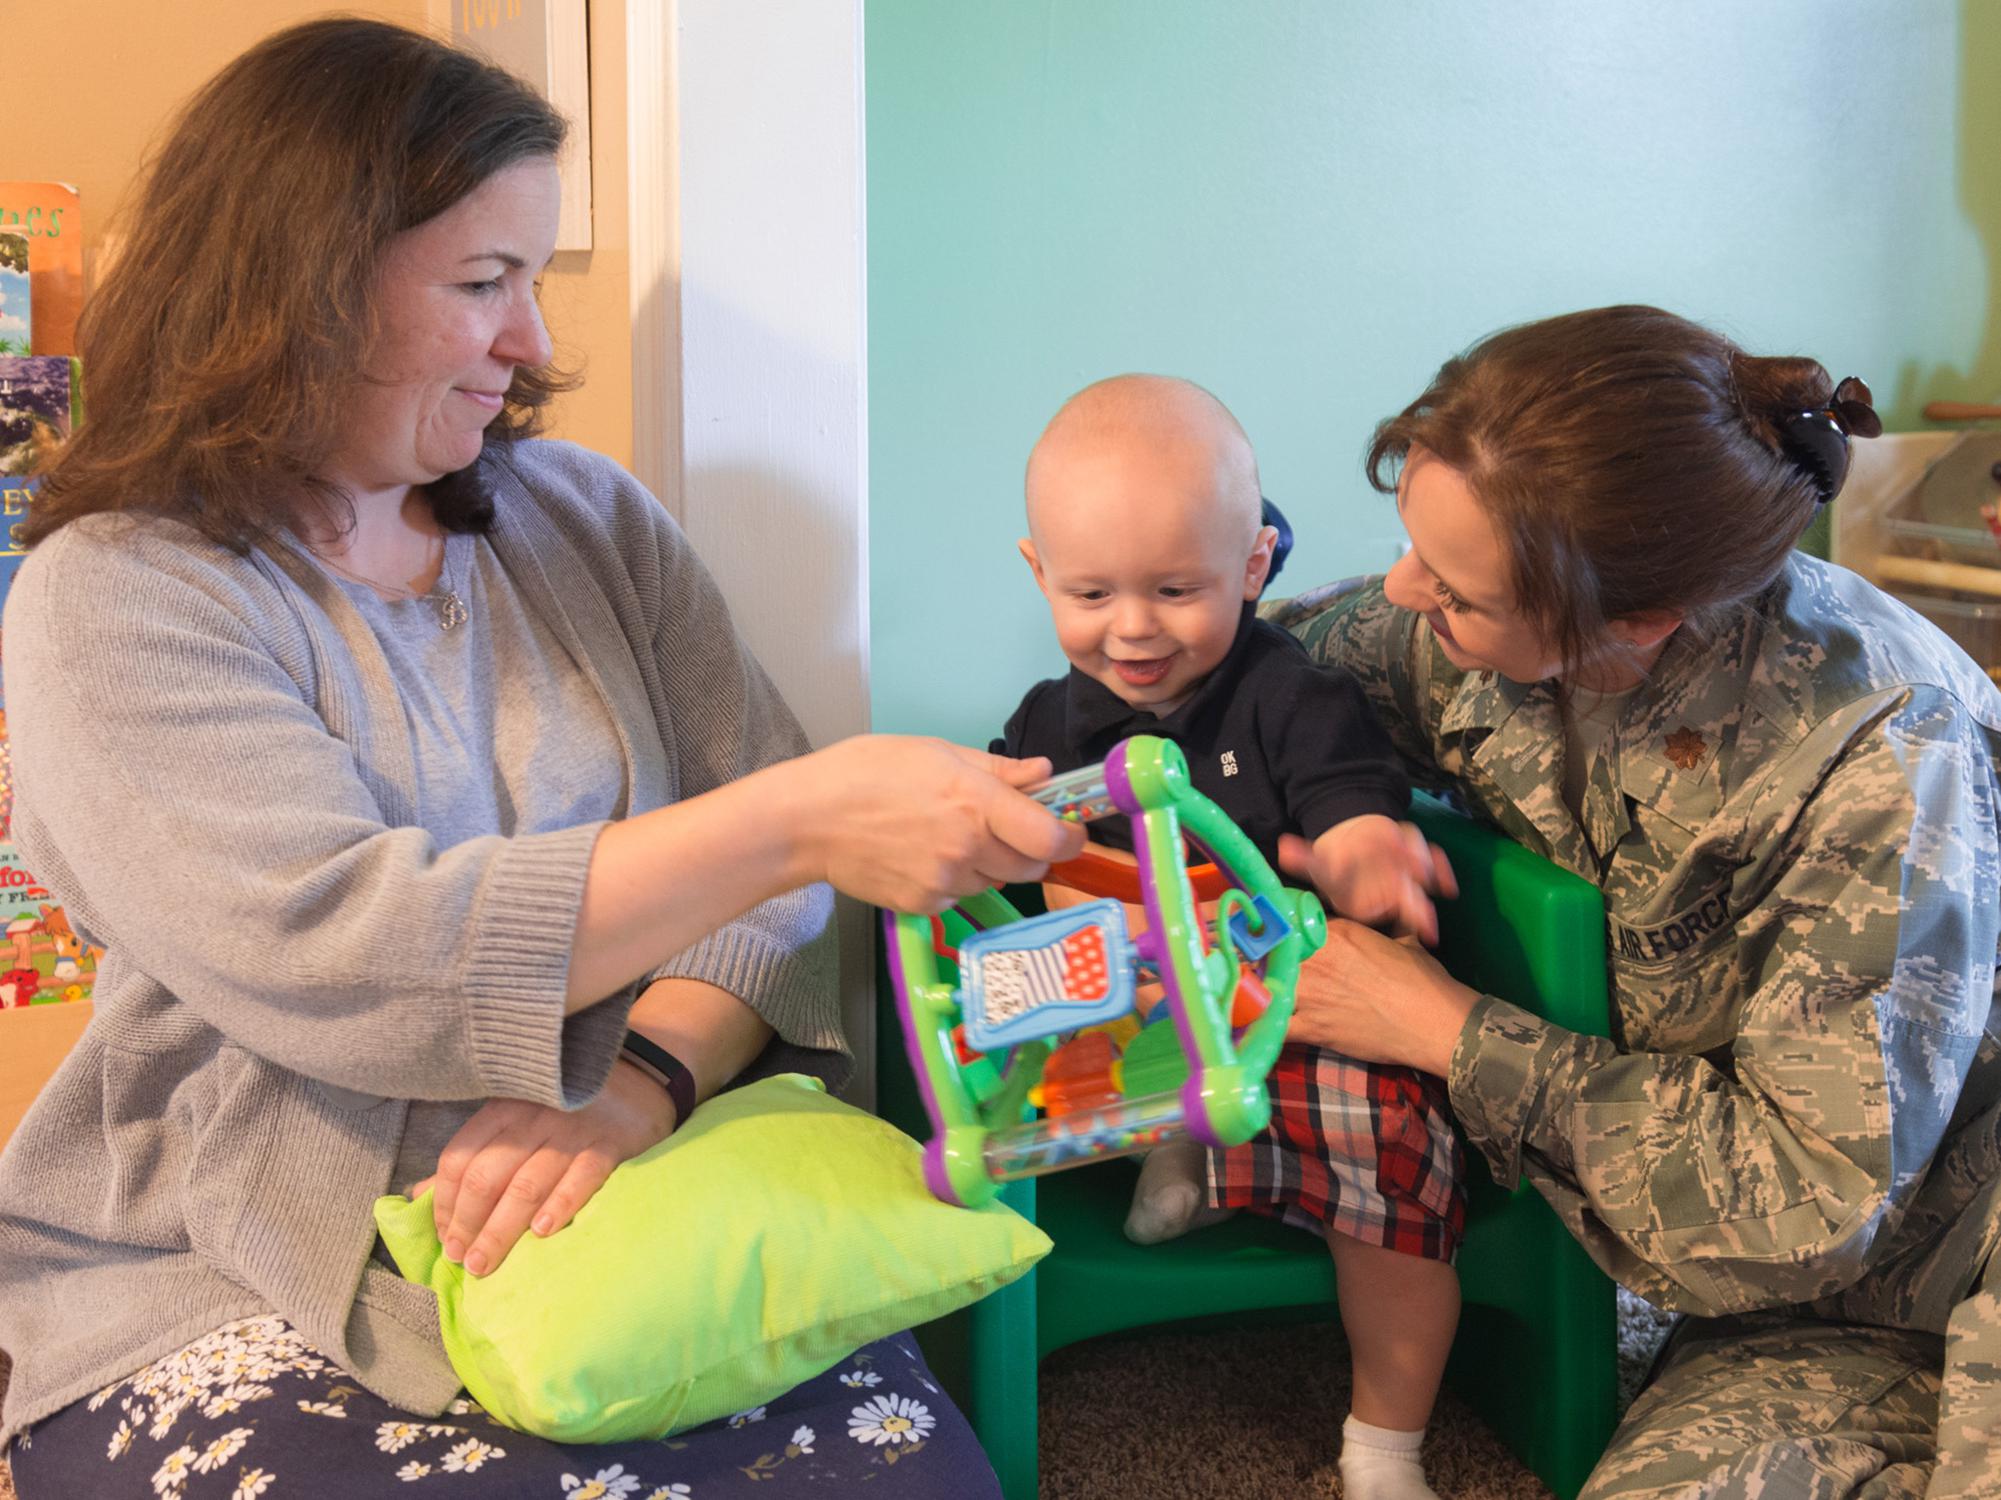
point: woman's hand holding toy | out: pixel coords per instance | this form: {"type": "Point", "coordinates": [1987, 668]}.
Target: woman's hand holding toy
{"type": "Point", "coordinates": [915, 824]}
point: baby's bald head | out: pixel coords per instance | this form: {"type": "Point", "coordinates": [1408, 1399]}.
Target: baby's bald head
{"type": "Point", "coordinates": [1146, 535]}
{"type": "Point", "coordinates": [1163, 423]}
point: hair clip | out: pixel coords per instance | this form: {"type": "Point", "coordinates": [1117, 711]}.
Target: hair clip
{"type": "Point", "coordinates": [1855, 409]}
{"type": "Point", "coordinates": [1817, 441]}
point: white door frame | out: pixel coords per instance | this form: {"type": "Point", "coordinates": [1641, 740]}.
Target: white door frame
{"type": "Point", "coordinates": [750, 345]}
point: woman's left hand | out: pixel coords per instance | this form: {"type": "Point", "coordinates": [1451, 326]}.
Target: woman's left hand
{"type": "Point", "coordinates": [515, 1165]}
{"type": "Point", "coordinates": [1379, 999]}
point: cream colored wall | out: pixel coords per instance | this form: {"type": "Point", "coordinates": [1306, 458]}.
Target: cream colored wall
{"type": "Point", "coordinates": [587, 293]}
{"type": "Point", "coordinates": [121, 67]}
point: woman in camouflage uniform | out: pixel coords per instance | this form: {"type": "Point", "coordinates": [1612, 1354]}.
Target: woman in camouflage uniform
{"type": "Point", "coordinates": [1784, 782]}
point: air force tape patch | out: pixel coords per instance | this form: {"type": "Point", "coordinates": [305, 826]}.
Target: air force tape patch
{"type": "Point", "coordinates": [1685, 930]}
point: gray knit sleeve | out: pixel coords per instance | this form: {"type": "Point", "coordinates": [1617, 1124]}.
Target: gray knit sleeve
{"type": "Point", "coordinates": [177, 788]}
{"type": "Point", "coordinates": [727, 720]}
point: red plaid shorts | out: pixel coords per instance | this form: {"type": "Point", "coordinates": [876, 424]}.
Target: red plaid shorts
{"type": "Point", "coordinates": [1354, 1149]}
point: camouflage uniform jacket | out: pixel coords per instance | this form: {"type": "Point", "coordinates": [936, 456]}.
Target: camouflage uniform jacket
{"type": "Point", "coordinates": [1793, 825]}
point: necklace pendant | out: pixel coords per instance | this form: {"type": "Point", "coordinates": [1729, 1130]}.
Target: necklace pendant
{"type": "Point", "coordinates": [451, 610]}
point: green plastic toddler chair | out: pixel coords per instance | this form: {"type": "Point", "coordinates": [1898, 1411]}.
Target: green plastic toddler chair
{"type": "Point", "coordinates": [1536, 1352]}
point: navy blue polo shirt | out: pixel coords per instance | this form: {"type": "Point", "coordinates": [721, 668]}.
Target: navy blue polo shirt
{"type": "Point", "coordinates": [1279, 742]}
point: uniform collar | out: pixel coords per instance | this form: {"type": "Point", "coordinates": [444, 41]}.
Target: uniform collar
{"type": "Point", "coordinates": [1667, 741]}
{"type": "Point", "coordinates": [1092, 711]}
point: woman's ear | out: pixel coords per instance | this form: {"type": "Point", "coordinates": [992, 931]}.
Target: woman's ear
{"type": "Point", "coordinates": [1258, 568]}
{"type": "Point", "coordinates": [1645, 630]}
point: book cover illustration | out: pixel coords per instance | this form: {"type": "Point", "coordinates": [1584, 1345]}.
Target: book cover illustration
{"type": "Point", "coordinates": [43, 960]}
{"type": "Point", "coordinates": [40, 400]}
{"type": "Point", "coordinates": [50, 216]}
{"type": "Point", "coordinates": [16, 495]}
{"type": "Point", "coordinates": [16, 307]}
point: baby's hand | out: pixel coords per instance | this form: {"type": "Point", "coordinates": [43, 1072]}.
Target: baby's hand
{"type": "Point", "coordinates": [1376, 870]}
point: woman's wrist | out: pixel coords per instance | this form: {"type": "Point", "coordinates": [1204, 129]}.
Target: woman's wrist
{"type": "Point", "coordinates": [645, 1086]}
{"type": "Point", "coordinates": [664, 1068]}
{"type": "Point", "coordinates": [1447, 1020]}
{"type": "Point", "coordinates": [792, 815]}
{"type": "Point", "coordinates": [711, 1033]}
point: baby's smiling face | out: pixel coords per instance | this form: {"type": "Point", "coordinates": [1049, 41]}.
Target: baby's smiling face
{"type": "Point", "coordinates": [1146, 552]}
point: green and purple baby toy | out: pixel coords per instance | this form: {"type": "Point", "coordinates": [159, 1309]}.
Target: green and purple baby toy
{"type": "Point", "coordinates": [1037, 1005]}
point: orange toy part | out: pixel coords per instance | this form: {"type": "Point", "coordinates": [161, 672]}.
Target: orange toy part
{"type": "Point", "coordinates": [1079, 1074]}
{"type": "Point", "coordinates": [1251, 1000]}
{"type": "Point", "coordinates": [1097, 873]}
{"type": "Point", "coordinates": [966, 1053]}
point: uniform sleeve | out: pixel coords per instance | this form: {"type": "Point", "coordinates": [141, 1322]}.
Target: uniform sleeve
{"type": "Point", "coordinates": [728, 720]}
{"type": "Point", "coordinates": [180, 793]}
{"type": "Point", "coordinates": [1351, 626]}
{"type": "Point", "coordinates": [1866, 941]}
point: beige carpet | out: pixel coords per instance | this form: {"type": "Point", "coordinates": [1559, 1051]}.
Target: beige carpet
{"type": "Point", "coordinates": [1245, 1415]}
{"type": "Point", "coordinates": [1255, 1414]}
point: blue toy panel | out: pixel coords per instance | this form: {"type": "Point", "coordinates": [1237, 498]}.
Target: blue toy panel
{"type": "Point", "coordinates": [1044, 975]}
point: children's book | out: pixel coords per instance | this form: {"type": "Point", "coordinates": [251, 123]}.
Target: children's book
{"type": "Point", "coordinates": [41, 401]}
{"type": "Point", "coordinates": [50, 216]}
{"type": "Point", "coordinates": [16, 495]}
{"type": "Point", "coordinates": [43, 960]}
{"type": "Point", "coordinates": [16, 307]}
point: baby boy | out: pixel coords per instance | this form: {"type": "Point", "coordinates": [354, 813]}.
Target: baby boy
{"type": "Point", "coordinates": [1146, 537]}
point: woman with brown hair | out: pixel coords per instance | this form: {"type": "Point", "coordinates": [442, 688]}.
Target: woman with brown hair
{"type": "Point", "coordinates": [1784, 783]}
{"type": "Point", "coordinates": [437, 823]}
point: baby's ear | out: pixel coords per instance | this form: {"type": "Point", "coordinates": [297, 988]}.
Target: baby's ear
{"type": "Point", "coordinates": [1026, 546]}
{"type": "Point", "coordinates": [1258, 568]}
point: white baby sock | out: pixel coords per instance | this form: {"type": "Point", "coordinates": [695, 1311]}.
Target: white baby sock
{"type": "Point", "coordinates": [1379, 1463]}
{"type": "Point", "coordinates": [1170, 1198]}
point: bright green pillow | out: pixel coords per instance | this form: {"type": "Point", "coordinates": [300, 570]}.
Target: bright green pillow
{"type": "Point", "coordinates": [767, 1239]}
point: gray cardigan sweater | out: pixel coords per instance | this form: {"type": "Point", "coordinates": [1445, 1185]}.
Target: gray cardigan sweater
{"type": "Point", "coordinates": [215, 777]}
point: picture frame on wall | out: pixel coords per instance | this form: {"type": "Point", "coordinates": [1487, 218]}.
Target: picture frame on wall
{"type": "Point", "coordinates": [546, 43]}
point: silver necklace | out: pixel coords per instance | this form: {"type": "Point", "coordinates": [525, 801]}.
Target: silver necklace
{"type": "Point", "coordinates": [451, 608]}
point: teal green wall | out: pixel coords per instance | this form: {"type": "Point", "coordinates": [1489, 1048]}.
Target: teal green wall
{"type": "Point", "coordinates": [1306, 206]}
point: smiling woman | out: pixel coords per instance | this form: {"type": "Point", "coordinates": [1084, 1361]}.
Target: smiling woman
{"type": "Point", "coordinates": [267, 337]}
{"type": "Point", "coordinates": [1784, 783]}
{"type": "Point", "coordinates": [482, 794]}
{"type": "Point", "coordinates": [1460, 576]}
{"type": "Point", "coordinates": [1600, 479]}
{"type": "Point", "coordinates": [455, 317]}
